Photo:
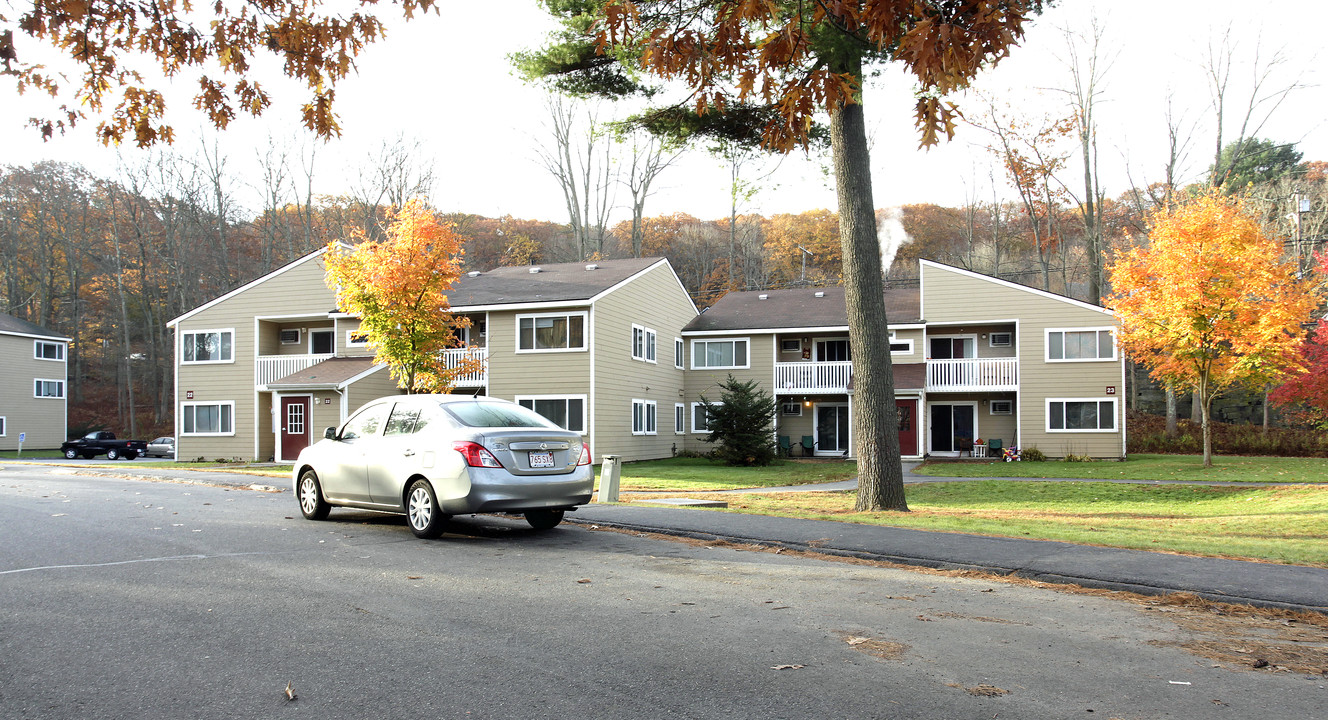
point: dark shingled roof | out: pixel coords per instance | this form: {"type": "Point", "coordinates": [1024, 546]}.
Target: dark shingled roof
{"type": "Point", "coordinates": [331, 373]}
{"type": "Point", "coordinates": [562, 282]}
{"type": "Point", "coordinates": [797, 309]}
{"type": "Point", "coordinates": [10, 324]}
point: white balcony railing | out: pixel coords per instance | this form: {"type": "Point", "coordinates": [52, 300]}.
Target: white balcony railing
{"type": "Point", "coordinates": [456, 357]}
{"type": "Point", "coordinates": [804, 377]}
{"type": "Point", "coordinates": [973, 374]}
{"type": "Point", "coordinates": [274, 367]}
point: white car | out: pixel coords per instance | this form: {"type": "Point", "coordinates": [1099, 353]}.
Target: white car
{"type": "Point", "coordinates": [161, 447]}
{"type": "Point", "coordinates": [433, 456]}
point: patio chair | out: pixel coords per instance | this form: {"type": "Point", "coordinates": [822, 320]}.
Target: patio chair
{"type": "Point", "coordinates": [808, 445]}
{"type": "Point", "coordinates": [994, 447]}
{"type": "Point", "coordinates": [785, 445]}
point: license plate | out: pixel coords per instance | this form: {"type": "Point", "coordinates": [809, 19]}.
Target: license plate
{"type": "Point", "coordinates": [539, 459]}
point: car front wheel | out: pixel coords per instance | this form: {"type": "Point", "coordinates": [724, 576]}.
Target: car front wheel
{"type": "Point", "coordinates": [71, 454]}
{"type": "Point", "coordinates": [422, 512]}
{"type": "Point", "coordinates": [544, 519]}
{"type": "Point", "coordinates": [312, 504]}
{"type": "Point", "coordinates": [112, 454]}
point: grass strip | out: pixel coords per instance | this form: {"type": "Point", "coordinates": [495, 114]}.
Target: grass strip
{"type": "Point", "coordinates": [1285, 524]}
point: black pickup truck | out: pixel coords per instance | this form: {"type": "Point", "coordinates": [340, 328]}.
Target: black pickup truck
{"type": "Point", "coordinates": [101, 442]}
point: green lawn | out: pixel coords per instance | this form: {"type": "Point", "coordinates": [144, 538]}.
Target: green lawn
{"type": "Point", "coordinates": [1145, 467]}
{"type": "Point", "coordinates": [1285, 524]}
{"type": "Point", "coordinates": [701, 474]}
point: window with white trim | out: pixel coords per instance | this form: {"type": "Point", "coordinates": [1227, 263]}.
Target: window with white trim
{"type": "Point", "coordinates": [207, 346]}
{"type": "Point", "coordinates": [1000, 339]}
{"type": "Point", "coordinates": [643, 343]}
{"type": "Point", "coordinates": [677, 353]}
{"type": "Point", "coordinates": [4, 431]}
{"type": "Point", "coordinates": [643, 417]}
{"type": "Point", "coordinates": [679, 418]}
{"type": "Point", "coordinates": [701, 417]}
{"type": "Point", "coordinates": [48, 388]}
{"type": "Point", "coordinates": [1081, 415]}
{"type": "Point", "coordinates": [1080, 345]}
{"type": "Point", "coordinates": [43, 350]}
{"type": "Point", "coordinates": [1001, 407]}
{"type": "Point", "coordinates": [566, 411]}
{"type": "Point", "coordinates": [207, 418]}
{"type": "Point", "coordinates": [900, 347]}
{"type": "Point", "coordinates": [357, 339]}
{"type": "Point", "coordinates": [790, 407]}
{"type": "Point", "coordinates": [730, 354]}
{"type": "Point", "coordinates": [551, 332]}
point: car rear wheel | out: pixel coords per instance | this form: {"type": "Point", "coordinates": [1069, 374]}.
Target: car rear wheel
{"type": "Point", "coordinates": [544, 519]}
{"type": "Point", "coordinates": [422, 512]}
{"type": "Point", "coordinates": [112, 454]}
{"type": "Point", "coordinates": [71, 454]}
{"type": "Point", "coordinates": [312, 504]}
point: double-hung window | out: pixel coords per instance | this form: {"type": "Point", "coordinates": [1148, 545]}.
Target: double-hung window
{"type": "Point", "coordinates": [701, 417]}
{"type": "Point", "coordinates": [1081, 415]}
{"type": "Point", "coordinates": [48, 388]}
{"type": "Point", "coordinates": [643, 343]}
{"type": "Point", "coordinates": [643, 417]}
{"type": "Point", "coordinates": [207, 346]}
{"type": "Point", "coordinates": [677, 353]}
{"type": "Point", "coordinates": [44, 350]}
{"type": "Point", "coordinates": [3, 430]}
{"type": "Point", "coordinates": [204, 418]}
{"type": "Point", "coordinates": [719, 354]}
{"type": "Point", "coordinates": [1080, 345]}
{"type": "Point", "coordinates": [567, 412]}
{"type": "Point", "coordinates": [679, 418]}
{"type": "Point", "coordinates": [557, 332]}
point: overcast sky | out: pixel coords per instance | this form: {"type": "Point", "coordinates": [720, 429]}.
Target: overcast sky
{"type": "Point", "coordinates": [446, 81]}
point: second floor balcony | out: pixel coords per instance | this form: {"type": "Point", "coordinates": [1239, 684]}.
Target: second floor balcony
{"type": "Point", "coordinates": [959, 375]}
{"type": "Point", "coordinates": [275, 367]}
{"type": "Point", "coordinates": [973, 374]}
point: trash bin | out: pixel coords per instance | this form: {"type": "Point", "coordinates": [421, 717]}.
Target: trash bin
{"type": "Point", "coordinates": [609, 473]}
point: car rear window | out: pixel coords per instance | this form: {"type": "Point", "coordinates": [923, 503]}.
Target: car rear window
{"type": "Point", "coordinates": [492, 414]}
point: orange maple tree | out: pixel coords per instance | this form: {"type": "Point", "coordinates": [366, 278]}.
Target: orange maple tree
{"type": "Point", "coordinates": [1210, 303]}
{"type": "Point", "coordinates": [122, 47]}
{"type": "Point", "coordinates": [398, 289]}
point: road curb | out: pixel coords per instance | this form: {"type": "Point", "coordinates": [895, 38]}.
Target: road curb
{"type": "Point", "coordinates": [933, 564]}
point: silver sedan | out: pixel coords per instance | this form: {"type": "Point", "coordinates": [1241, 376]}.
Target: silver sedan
{"type": "Point", "coordinates": [433, 456]}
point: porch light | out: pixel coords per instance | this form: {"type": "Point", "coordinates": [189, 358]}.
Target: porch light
{"type": "Point", "coordinates": [806, 403]}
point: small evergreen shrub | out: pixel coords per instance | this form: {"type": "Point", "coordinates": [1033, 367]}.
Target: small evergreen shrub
{"type": "Point", "coordinates": [741, 423]}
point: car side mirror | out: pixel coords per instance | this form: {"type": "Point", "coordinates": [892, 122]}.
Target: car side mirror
{"type": "Point", "coordinates": [330, 433]}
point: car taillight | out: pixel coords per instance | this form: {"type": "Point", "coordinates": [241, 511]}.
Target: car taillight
{"type": "Point", "coordinates": [476, 455]}
{"type": "Point", "coordinates": [585, 455]}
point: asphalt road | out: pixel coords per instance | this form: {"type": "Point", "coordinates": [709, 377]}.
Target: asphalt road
{"type": "Point", "coordinates": [145, 599]}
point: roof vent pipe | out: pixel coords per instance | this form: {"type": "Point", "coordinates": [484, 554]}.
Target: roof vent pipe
{"type": "Point", "coordinates": [473, 273]}
{"type": "Point", "coordinates": [763, 296]}
{"type": "Point", "coordinates": [534, 270]}
{"type": "Point", "coordinates": [592, 266]}
{"type": "Point", "coordinates": [820, 294]}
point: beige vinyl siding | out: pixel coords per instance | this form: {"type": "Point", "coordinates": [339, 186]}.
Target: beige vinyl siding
{"type": "Point", "coordinates": [379, 384]}
{"type": "Point", "coordinates": [954, 297]}
{"type": "Point", "coordinates": [42, 419]}
{"type": "Point", "coordinates": [916, 336]}
{"type": "Point", "coordinates": [539, 373]}
{"type": "Point", "coordinates": [654, 300]}
{"type": "Point", "coordinates": [761, 352]}
{"type": "Point", "coordinates": [299, 291]}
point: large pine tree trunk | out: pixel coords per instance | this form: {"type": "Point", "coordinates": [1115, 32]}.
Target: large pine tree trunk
{"type": "Point", "coordinates": [875, 419]}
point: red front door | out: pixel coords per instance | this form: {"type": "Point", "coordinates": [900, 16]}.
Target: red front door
{"type": "Point", "coordinates": [908, 426]}
{"type": "Point", "coordinates": [294, 421]}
